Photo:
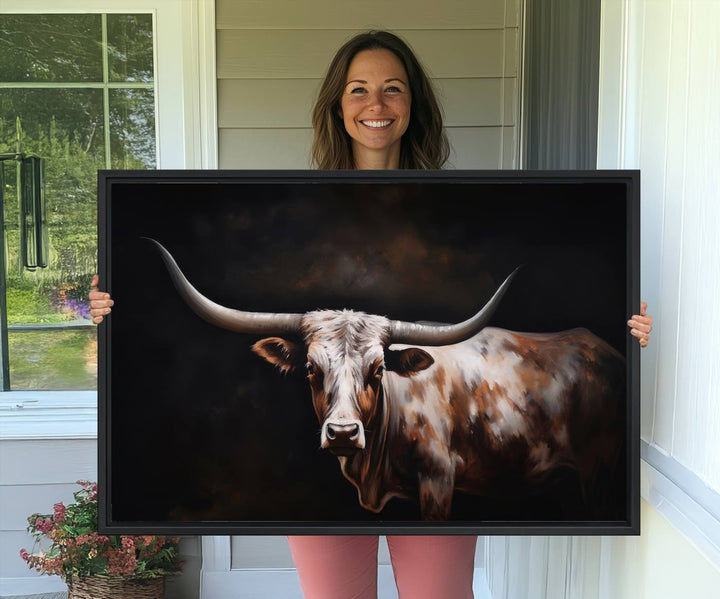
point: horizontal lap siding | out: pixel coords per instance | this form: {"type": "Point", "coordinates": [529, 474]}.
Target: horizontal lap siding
{"type": "Point", "coordinates": [287, 103]}
{"type": "Point", "coordinates": [271, 59]}
{"type": "Point", "coordinates": [307, 53]}
{"type": "Point", "coordinates": [267, 148]}
{"type": "Point", "coordinates": [35, 475]}
{"type": "Point", "coordinates": [352, 14]}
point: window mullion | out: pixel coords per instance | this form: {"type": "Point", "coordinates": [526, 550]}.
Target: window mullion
{"type": "Point", "coordinates": [106, 90]}
{"type": "Point", "coordinates": [4, 348]}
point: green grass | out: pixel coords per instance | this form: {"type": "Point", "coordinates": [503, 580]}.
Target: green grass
{"type": "Point", "coordinates": [28, 305]}
{"type": "Point", "coordinates": [53, 360]}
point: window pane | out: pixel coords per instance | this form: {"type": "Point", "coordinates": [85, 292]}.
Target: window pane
{"type": "Point", "coordinates": [51, 118]}
{"type": "Point", "coordinates": [65, 127]}
{"type": "Point", "coordinates": [132, 128]}
{"type": "Point", "coordinates": [130, 47]}
{"type": "Point", "coordinates": [50, 48]}
{"type": "Point", "coordinates": [54, 359]}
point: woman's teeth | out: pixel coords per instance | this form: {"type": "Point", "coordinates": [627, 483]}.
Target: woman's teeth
{"type": "Point", "coordinates": [376, 124]}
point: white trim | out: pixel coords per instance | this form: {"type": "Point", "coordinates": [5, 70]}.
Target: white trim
{"type": "Point", "coordinates": [202, 85]}
{"type": "Point", "coordinates": [693, 509]}
{"type": "Point", "coordinates": [48, 415]}
{"type": "Point", "coordinates": [611, 84]}
{"type": "Point", "coordinates": [522, 111]}
{"type": "Point", "coordinates": [217, 553]}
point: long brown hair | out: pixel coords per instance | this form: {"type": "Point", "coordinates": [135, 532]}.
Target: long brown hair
{"type": "Point", "coordinates": [424, 145]}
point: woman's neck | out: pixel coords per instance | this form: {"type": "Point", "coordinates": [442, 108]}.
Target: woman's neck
{"type": "Point", "coordinates": [368, 159]}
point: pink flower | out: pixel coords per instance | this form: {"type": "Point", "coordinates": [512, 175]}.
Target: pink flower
{"type": "Point", "coordinates": [128, 542]}
{"type": "Point", "coordinates": [59, 509]}
{"type": "Point", "coordinates": [121, 561]}
{"type": "Point", "coordinates": [44, 526]}
{"type": "Point", "coordinates": [25, 555]}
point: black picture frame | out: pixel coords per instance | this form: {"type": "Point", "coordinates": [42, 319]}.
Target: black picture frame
{"type": "Point", "coordinates": [180, 454]}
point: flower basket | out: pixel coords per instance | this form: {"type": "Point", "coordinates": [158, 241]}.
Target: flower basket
{"type": "Point", "coordinates": [96, 566]}
{"type": "Point", "coordinates": [116, 587]}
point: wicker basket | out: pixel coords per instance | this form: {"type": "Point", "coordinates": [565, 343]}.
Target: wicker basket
{"type": "Point", "coordinates": [116, 587]}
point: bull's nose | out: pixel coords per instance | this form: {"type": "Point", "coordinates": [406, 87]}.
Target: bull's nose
{"type": "Point", "coordinates": [342, 432]}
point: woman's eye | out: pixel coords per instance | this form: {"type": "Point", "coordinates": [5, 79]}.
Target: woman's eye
{"type": "Point", "coordinates": [393, 89]}
{"type": "Point", "coordinates": [357, 90]}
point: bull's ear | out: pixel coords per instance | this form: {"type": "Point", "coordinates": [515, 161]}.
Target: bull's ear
{"type": "Point", "coordinates": [407, 362]}
{"type": "Point", "coordinates": [278, 351]}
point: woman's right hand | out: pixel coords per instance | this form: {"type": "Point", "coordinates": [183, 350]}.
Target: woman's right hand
{"type": "Point", "coordinates": [100, 302]}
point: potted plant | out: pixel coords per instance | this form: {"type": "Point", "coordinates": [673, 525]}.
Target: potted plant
{"type": "Point", "coordinates": [93, 565]}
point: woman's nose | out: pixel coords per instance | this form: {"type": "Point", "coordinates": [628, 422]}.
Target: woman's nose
{"type": "Point", "coordinates": [376, 100]}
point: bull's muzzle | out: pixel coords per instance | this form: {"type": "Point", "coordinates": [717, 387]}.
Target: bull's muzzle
{"type": "Point", "coordinates": [343, 438]}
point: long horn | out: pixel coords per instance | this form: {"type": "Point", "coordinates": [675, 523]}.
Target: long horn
{"type": "Point", "coordinates": [424, 334]}
{"type": "Point", "coordinates": [260, 323]}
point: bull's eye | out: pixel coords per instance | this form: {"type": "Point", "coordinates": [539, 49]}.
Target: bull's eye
{"type": "Point", "coordinates": [309, 368]}
{"type": "Point", "coordinates": [379, 370]}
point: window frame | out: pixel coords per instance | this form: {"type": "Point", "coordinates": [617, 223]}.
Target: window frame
{"type": "Point", "coordinates": [184, 33]}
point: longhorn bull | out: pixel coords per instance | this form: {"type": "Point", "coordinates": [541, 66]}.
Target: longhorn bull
{"type": "Point", "coordinates": [418, 411]}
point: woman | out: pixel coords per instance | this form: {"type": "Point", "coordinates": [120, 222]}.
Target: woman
{"type": "Point", "coordinates": [377, 110]}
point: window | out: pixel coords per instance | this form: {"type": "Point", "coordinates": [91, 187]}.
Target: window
{"type": "Point", "coordinates": [78, 91]}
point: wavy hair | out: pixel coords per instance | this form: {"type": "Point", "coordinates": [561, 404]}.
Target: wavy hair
{"type": "Point", "coordinates": [423, 146]}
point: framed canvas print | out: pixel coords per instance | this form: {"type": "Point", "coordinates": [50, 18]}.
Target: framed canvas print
{"type": "Point", "coordinates": [380, 352]}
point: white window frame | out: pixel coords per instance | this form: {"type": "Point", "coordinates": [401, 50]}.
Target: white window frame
{"type": "Point", "coordinates": [186, 131]}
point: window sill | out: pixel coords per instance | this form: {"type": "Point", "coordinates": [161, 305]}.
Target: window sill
{"type": "Point", "coordinates": [48, 415]}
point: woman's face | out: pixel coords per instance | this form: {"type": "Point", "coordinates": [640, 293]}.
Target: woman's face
{"type": "Point", "coordinates": [375, 104]}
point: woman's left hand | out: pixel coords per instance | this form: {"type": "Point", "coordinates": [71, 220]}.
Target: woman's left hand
{"type": "Point", "coordinates": [641, 325]}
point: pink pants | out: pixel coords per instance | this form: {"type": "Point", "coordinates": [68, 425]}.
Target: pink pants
{"type": "Point", "coordinates": [337, 567]}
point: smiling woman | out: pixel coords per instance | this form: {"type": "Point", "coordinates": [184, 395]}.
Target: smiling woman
{"type": "Point", "coordinates": [377, 109]}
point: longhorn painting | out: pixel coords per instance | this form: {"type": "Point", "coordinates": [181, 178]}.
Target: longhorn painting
{"type": "Point", "coordinates": [375, 352]}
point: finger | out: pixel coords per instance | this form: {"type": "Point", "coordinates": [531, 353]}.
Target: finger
{"type": "Point", "coordinates": [639, 334]}
{"type": "Point", "coordinates": [97, 319]}
{"type": "Point", "coordinates": [95, 281]}
{"type": "Point", "coordinates": [643, 318]}
{"type": "Point", "coordinates": [646, 320]}
{"type": "Point", "coordinates": [98, 295]}
{"type": "Point", "coordinates": [643, 343]}
{"type": "Point", "coordinates": [100, 309]}
{"type": "Point", "coordinates": [643, 308]}
{"type": "Point", "coordinates": [99, 303]}
{"type": "Point", "coordinates": [634, 324]}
